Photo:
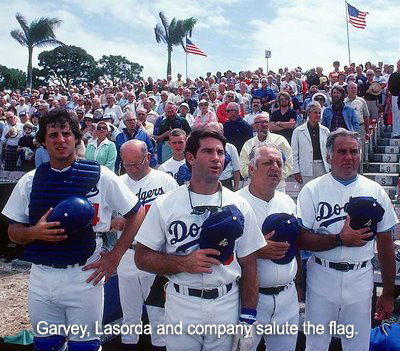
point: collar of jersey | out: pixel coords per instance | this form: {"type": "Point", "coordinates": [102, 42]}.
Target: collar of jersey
{"type": "Point", "coordinates": [346, 182]}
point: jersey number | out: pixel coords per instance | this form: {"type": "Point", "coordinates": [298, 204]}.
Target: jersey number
{"type": "Point", "coordinates": [96, 218]}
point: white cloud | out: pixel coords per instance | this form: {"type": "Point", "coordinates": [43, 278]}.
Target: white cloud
{"type": "Point", "coordinates": [233, 33]}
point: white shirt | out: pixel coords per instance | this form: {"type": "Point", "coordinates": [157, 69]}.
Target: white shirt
{"type": "Point", "coordinates": [169, 224]}
{"type": "Point", "coordinates": [171, 167]}
{"type": "Point", "coordinates": [271, 274]}
{"type": "Point", "coordinates": [321, 206]}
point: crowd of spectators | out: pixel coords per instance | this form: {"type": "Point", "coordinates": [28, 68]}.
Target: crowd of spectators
{"type": "Point", "coordinates": [292, 109]}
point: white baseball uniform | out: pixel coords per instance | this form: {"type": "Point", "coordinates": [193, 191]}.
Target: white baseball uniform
{"type": "Point", "coordinates": [132, 281]}
{"type": "Point", "coordinates": [171, 167]}
{"type": "Point", "coordinates": [334, 295]}
{"type": "Point", "coordinates": [62, 296]}
{"type": "Point", "coordinates": [283, 307]}
{"type": "Point", "coordinates": [171, 227]}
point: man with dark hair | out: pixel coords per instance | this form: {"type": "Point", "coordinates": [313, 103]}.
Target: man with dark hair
{"type": "Point", "coordinates": [283, 121]}
{"type": "Point", "coordinates": [256, 104]}
{"type": "Point", "coordinates": [339, 115]}
{"type": "Point", "coordinates": [67, 262]}
{"type": "Point", "coordinates": [170, 242]}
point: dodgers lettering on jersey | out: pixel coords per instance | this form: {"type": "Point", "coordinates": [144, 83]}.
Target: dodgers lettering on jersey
{"type": "Point", "coordinates": [171, 167]}
{"type": "Point", "coordinates": [151, 186]}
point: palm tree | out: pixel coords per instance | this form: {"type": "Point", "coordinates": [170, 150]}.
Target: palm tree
{"type": "Point", "coordinates": [173, 33]}
{"type": "Point", "coordinates": [38, 34]}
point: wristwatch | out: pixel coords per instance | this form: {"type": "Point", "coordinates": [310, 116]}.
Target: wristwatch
{"type": "Point", "coordinates": [338, 241]}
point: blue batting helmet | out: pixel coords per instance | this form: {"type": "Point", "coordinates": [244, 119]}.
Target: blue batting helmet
{"type": "Point", "coordinates": [73, 213]}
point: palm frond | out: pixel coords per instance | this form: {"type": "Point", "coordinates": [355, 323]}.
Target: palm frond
{"type": "Point", "coordinates": [160, 34]}
{"type": "Point", "coordinates": [45, 42]}
{"type": "Point", "coordinates": [22, 22]}
{"type": "Point", "coordinates": [164, 22]}
{"type": "Point", "coordinates": [19, 36]}
{"type": "Point", "coordinates": [188, 25]}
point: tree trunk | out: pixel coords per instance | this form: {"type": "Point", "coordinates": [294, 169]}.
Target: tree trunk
{"type": "Point", "coordinates": [169, 60]}
{"type": "Point", "coordinates": [29, 71]}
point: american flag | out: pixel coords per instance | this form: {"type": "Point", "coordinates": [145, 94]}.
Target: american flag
{"type": "Point", "coordinates": [356, 18]}
{"type": "Point", "coordinates": [191, 48]}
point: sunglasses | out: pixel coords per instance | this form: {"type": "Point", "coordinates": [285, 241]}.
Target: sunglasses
{"type": "Point", "coordinates": [101, 128]}
{"type": "Point", "coordinates": [199, 210]}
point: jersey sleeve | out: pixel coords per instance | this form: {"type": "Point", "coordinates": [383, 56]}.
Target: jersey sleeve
{"type": "Point", "coordinates": [17, 206]}
{"type": "Point", "coordinates": [305, 208]}
{"type": "Point", "coordinates": [252, 238]}
{"type": "Point", "coordinates": [118, 195]}
{"type": "Point", "coordinates": [151, 232]}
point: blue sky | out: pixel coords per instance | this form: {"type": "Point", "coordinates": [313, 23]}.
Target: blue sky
{"type": "Point", "coordinates": [234, 33]}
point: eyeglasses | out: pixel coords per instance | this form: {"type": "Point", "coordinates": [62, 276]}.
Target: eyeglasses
{"type": "Point", "coordinates": [134, 164]}
{"type": "Point", "coordinates": [130, 120]}
{"type": "Point", "coordinates": [261, 122]}
{"type": "Point", "coordinates": [230, 96]}
{"type": "Point", "coordinates": [230, 110]}
{"type": "Point", "coordinates": [101, 128]}
{"type": "Point", "coordinates": [199, 210]}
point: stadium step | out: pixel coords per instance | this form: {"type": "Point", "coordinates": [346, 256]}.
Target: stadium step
{"type": "Point", "coordinates": [382, 167]}
{"type": "Point", "coordinates": [384, 179]}
{"type": "Point", "coordinates": [388, 142]}
{"type": "Point", "coordinates": [386, 149]}
{"type": "Point", "coordinates": [388, 158]}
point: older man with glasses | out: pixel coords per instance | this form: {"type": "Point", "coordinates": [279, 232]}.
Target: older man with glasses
{"type": "Point", "coordinates": [236, 130]}
{"type": "Point", "coordinates": [132, 131]}
{"type": "Point", "coordinates": [222, 109]}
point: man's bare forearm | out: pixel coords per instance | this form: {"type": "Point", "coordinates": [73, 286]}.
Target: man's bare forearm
{"type": "Point", "coordinates": [315, 242]}
{"type": "Point", "coordinates": [158, 262]}
{"type": "Point", "coordinates": [249, 281]}
{"type": "Point", "coordinates": [387, 263]}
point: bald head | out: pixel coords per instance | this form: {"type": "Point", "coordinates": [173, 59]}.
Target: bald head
{"type": "Point", "coordinates": [232, 111]}
{"type": "Point", "coordinates": [133, 146]}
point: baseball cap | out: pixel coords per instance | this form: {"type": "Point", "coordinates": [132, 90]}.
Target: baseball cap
{"type": "Point", "coordinates": [109, 115]}
{"type": "Point", "coordinates": [203, 101]}
{"type": "Point", "coordinates": [88, 115]}
{"type": "Point", "coordinates": [22, 113]}
{"type": "Point", "coordinates": [286, 230]}
{"type": "Point", "coordinates": [365, 211]}
{"type": "Point", "coordinates": [184, 105]}
{"type": "Point", "coordinates": [220, 230]}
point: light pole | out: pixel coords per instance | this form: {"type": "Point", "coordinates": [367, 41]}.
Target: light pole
{"type": "Point", "coordinates": [267, 56]}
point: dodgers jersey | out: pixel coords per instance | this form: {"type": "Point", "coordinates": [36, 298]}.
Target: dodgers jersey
{"type": "Point", "coordinates": [322, 208]}
{"type": "Point", "coordinates": [171, 167]}
{"type": "Point", "coordinates": [271, 274]}
{"type": "Point", "coordinates": [171, 227]}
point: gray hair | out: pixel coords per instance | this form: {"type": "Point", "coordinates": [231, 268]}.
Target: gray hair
{"type": "Point", "coordinates": [340, 132]}
{"type": "Point", "coordinates": [127, 114]}
{"type": "Point", "coordinates": [255, 152]}
{"type": "Point", "coordinates": [311, 105]}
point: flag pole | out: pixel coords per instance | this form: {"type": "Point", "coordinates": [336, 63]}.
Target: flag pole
{"type": "Point", "coordinates": [186, 55]}
{"type": "Point", "coordinates": [347, 26]}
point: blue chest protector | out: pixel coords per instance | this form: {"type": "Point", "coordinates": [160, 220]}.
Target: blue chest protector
{"type": "Point", "coordinates": [49, 188]}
